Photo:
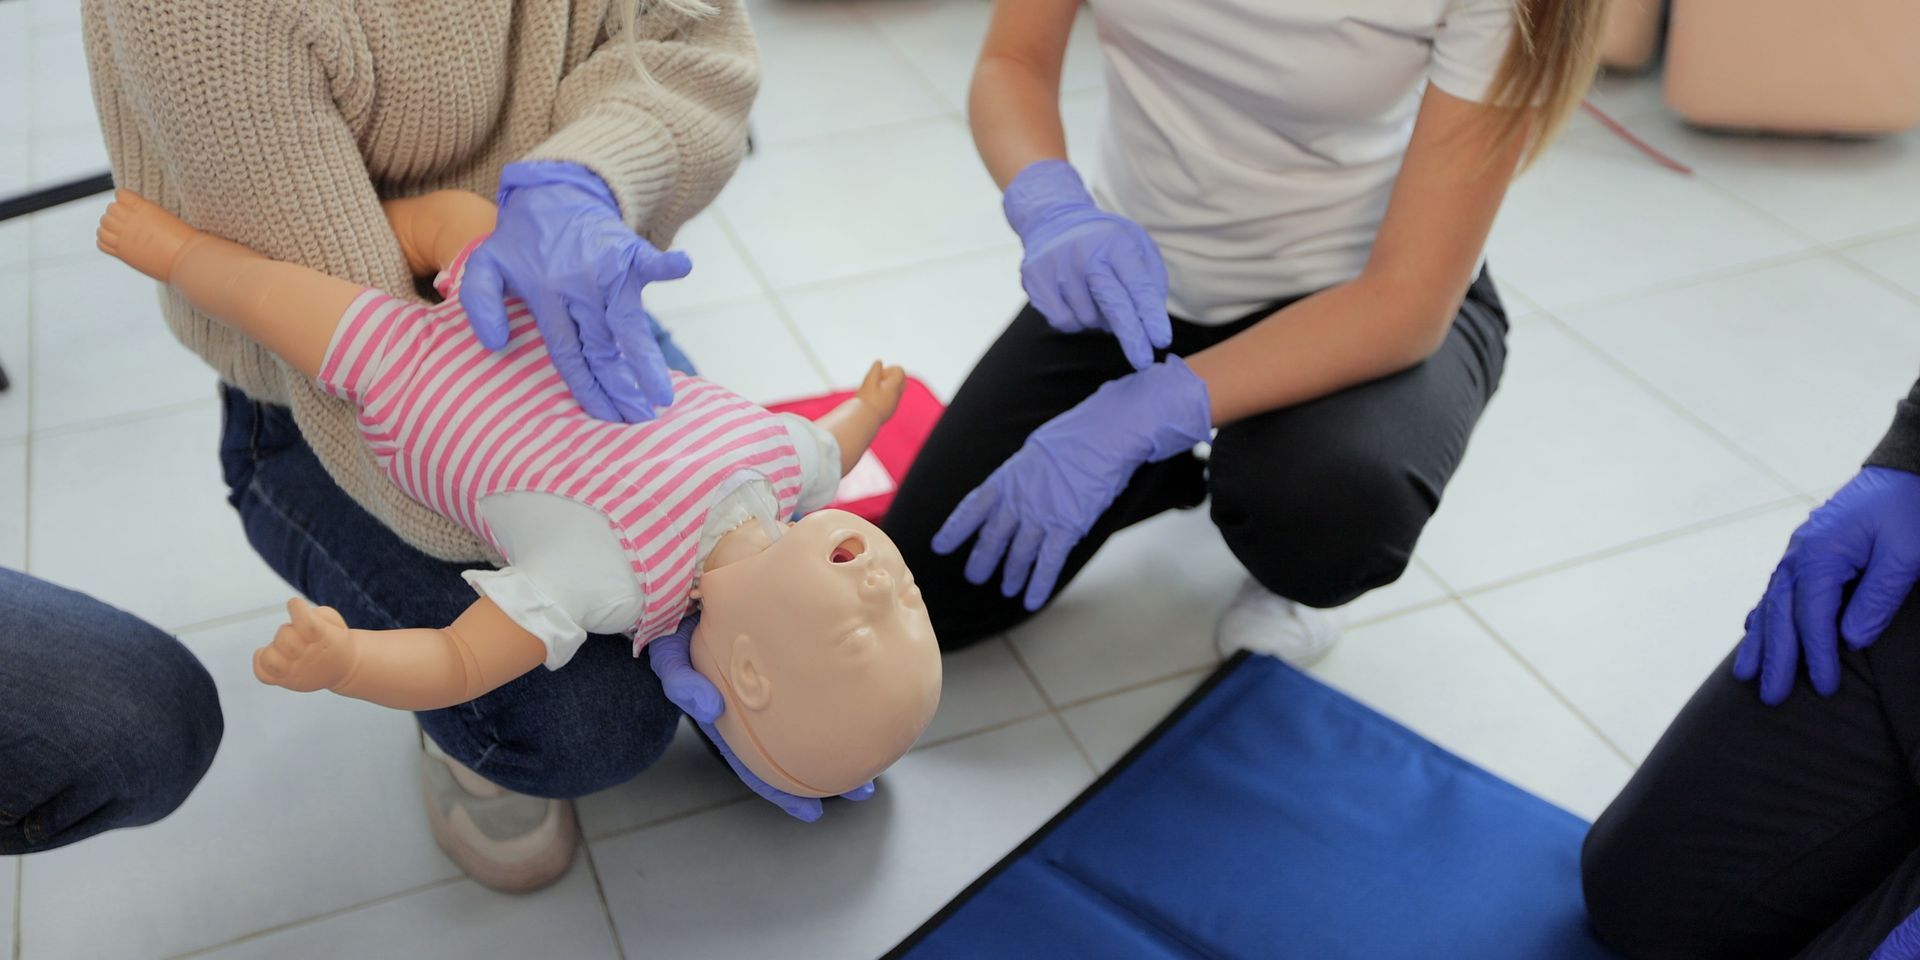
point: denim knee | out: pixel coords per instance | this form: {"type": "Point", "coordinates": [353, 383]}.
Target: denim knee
{"type": "Point", "coordinates": [112, 721]}
{"type": "Point", "coordinates": [595, 723]}
{"type": "Point", "coordinates": [181, 724]}
{"type": "Point", "coordinates": [610, 744]}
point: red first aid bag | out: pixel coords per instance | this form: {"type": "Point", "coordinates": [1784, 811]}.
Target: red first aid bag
{"type": "Point", "coordinates": [867, 490]}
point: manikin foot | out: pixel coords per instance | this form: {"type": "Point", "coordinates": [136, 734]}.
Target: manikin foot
{"type": "Point", "coordinates": [145, 236]}
{"type": "Point", "coordinates": [1266, 622]}
{"type": "Point", "coordinates": [314, 650]}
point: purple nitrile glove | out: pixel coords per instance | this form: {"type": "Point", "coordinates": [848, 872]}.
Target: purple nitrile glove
{"type": "Point", "coordinates": [673, 664]}
{"type": "Point", "coordinates": [1085, 268]}
{"type": "Point", "coordinates": [561, 246]}
{"type": "Point", "coordinates": [1869, 532]}
{"type": "Point", "coordinates": [1903, 943]}
{"type": "Point", "coordinates": [1044, 499]}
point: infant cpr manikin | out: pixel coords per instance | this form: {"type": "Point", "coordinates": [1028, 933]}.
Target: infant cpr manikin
{"type": "Point", "coordinates": [812, 632]}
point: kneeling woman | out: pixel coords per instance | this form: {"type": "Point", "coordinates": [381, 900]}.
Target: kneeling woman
{"type": "Point", "coordinates": [1282, 243]}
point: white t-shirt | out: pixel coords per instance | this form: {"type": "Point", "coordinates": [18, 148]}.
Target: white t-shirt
{"type": "Point", "coordinates": [570, 576]}
{"type": "Point", "coordinates": [1257, 142]}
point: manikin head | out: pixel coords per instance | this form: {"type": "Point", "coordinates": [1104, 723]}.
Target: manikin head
{"type": "Point", "coordinates": [821, 646]}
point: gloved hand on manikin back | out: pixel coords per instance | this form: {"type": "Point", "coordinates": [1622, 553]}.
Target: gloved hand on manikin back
{"type": "Point", "coordinates": [694, 694]}
{"type": "Point", "coordinates": [561, 246]}
{"type": "Point", "coordinates": [1866, 536]}
{"type": "Point", "coordinates": [1085, 268]}
{"type": "Point", "coordinates": [1041, 502]}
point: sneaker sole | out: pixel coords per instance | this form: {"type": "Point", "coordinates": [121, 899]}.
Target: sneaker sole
{"type": "Point", "coordinates": [541, 867]}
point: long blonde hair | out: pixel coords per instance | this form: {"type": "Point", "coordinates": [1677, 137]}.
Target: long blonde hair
{"type": "Point", "coordinates": [1548, 67]}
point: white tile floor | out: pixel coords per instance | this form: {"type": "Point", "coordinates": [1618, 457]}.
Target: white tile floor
{"type": "Point", "coordinates": [1695, 361]}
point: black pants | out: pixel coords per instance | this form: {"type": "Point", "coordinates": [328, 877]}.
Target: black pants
{"type": "Point", "coordinates": [1321, 501]}
{"type": "Point", "coordinates": [1762, 832]}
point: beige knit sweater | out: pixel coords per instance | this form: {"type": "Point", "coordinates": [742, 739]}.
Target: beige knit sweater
{"type": "Point", "coordinates": [281, 123]}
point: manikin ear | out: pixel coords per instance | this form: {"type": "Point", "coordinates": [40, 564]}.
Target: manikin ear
{"type": "Point", "coordinates": [752, 686]}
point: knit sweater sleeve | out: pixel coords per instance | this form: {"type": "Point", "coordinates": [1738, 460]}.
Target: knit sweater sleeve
{"type": "Point", "coordinates": [241, 116]}
{"type": "Point", "coordinates": [666, 142]}
{"type": "Point", "coordinates": [237, 115]}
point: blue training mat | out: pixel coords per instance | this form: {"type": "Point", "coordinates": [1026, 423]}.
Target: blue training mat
{"type": "Point", "coordinates": [1272, 817]}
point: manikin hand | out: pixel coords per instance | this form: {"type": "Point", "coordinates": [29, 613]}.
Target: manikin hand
{"type": "Point", "coordinates": [314, 651]}
{"type": "Point", "coordinates": [561, 246]}
{"type": "Point", "coordinates": [1085, 268]}
{"type": "Point", "coordinates": [882, 388]}
{"type": "Point", "coordinates": [1868, 532]}
{"type": "Point", "coordinates": [693, 693]}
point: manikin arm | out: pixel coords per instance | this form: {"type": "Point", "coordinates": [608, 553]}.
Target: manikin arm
{"type": "Point", "coordinates": [421, 669]}
{"type": "Point", "coordinates": [856, 422]}
{"type": "Point", "coordinates": [433, 228]}
{"type": "Point", "coordinates": [287, 308]}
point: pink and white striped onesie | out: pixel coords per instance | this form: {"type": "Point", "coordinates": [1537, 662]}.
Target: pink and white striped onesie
{"type": "Point", "coordinates": [454, 424]}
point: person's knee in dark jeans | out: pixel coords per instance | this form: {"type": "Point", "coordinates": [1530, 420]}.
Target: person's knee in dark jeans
{"type": "Point", "coordinates": [546, 735]}
{"type": "Point", "coordinates": [105, 720]}
{"type": "Point", "coordinates": [1753, 831]}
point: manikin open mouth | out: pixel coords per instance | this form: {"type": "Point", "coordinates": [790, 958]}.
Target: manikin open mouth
{"type": "Point", "coordinates": [846, 550]}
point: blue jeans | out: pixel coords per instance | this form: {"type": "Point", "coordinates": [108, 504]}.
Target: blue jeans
{"type": "Point", "coordinates": [593, 724]}
{"type": "Point", "coordinates": [105, 721]}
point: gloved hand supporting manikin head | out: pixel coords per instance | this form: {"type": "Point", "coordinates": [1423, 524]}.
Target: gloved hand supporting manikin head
{"type": "Point", "coordinates": [820, 645]}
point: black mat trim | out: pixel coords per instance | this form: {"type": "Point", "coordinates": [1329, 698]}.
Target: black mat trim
{"type": "Point", "coordinates": [1113, 773]}
{"type": "Point", "coordinates": [35, 201]}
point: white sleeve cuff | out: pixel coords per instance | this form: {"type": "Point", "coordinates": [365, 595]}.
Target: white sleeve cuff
{"type": "Point", "coordinates": [526, 604]}
{"type": "Point", "coordinates": [819, 462]}
{"type": "Point", "coordinates": [1470, 45]}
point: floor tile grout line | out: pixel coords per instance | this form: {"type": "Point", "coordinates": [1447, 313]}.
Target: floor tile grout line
{"type": "Point", "coordinates": [779, 306]}
{"type": "Point", "coordinates": [680, 310]}
{"type": "Point", "coordinates": [600, 891]}
{"type": "Point", "coordinates": [457, 878]}
{"type": "Point", "coordinates": [1876, 278]}
{"type": "Point", "coordinates": [882, 273]}
{"type": "Point", "coordinates": [1032, 677]}
{"type": "Point", "coordinates": [938, 742]}
{"type": "Point", "coordinates": [1830, 246]}
{"type": "Point", "coordinates": [1727, 272]}
{"type": "Point", "coordinates": [70, 258]}
{"type": "Point", "coordinates": [1074, 739]}
{"type": "Point", "coordinates": [121, 419]}
{"type": "Point", "coordinates": [706, 808]}
{"type": "Point", "coordinates": [1422, 606]}
{"type": "Point", "coordinates": [1553, 690]}
{"type": "Point", "coordinates": [18, 947]}
{"type": "Point", "coordinates": [670, 818]}
{"type": "Point", "coordinates": [1877, 236]}
{"type": "Point", "coordinates": [228, 620]}
{"type": "Point", "coordinates": [26, 386]}
{"type": "Point", "coordinates": [1729, 194]}
{"type": "Point", "coordinates": [1712, 183]}
{"type": "Point", "coordinates": [1621, 549]}
{"type": "Point", "coordinates": [1137, 686]}
{"type": "Point", "coordinates": [833, 136]}
{"type": "Point", "coordinates": [1672, 403]}
{"type": "Point", "coordinates": [902, 57]}
{"type": "Point", "coordinates": [19, 899]}
{"type": "Point", "coordinates": [944, 117]}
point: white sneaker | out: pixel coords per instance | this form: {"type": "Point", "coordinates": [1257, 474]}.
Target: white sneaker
{"type": "Point", "coordinates": [1265, 622]}
{"type": "Point", "coordinates": [507, 841]}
